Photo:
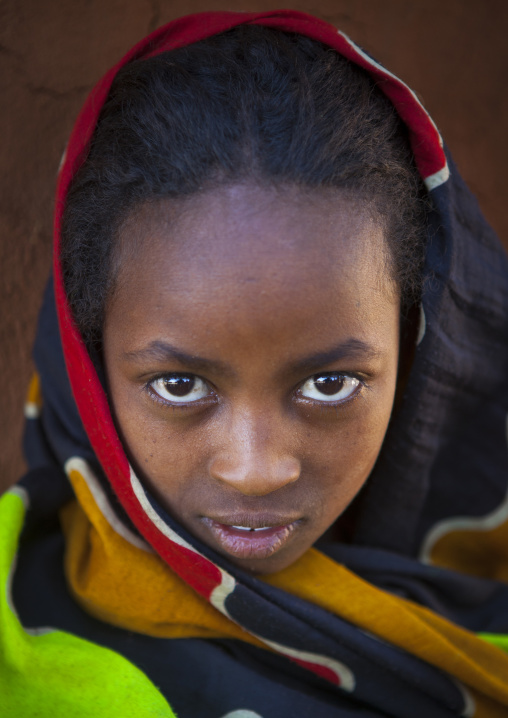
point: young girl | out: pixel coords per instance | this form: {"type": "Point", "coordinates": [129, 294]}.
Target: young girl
{"type": "Point", "coordinates": [268, 434]}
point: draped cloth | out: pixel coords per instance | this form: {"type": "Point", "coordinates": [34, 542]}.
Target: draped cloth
{"type": "Point", "coordinates": [111, 607]}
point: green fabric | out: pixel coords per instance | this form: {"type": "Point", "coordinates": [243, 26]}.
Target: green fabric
{"type": "Point", "coordinates": [55, 674]}
{"type": "Point", "coordinates": [497, 639]}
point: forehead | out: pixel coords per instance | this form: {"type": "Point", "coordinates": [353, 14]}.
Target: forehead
{"type": "Point", "coordinates": [255, 235]}
{"type": "Point", "coordinates": [245, 269]}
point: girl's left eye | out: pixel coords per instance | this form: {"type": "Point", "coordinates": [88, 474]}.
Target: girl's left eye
{"type": "Point", "coordinates": [180, 388]}
{"type": "Point", "coordinates": [330, 387]}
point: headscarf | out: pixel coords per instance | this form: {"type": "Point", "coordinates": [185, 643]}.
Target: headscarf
{"type": "Point", "coordinates": [384, 625]}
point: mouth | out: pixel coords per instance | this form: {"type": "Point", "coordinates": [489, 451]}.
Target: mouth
{"type": "Point", "coordinates": [244, 537]}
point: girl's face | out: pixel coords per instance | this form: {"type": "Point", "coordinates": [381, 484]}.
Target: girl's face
{"type": "Point", "coordinates": [251, 351]}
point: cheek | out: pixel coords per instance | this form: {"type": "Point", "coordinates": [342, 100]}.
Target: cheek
{"type": "Point", "coordinates": [161, 452]}
{"type": "Point", "coordinates": [344, 459]}
{"type": "Point", "coordinates": [167, 458]}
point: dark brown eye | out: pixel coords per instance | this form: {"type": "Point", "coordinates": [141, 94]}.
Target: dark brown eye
{"type": "Point", "coordinates": [330, 387]}
{"type": "Point", "coordinates": [179, 385]}
{"type": "Point", "coordinates": [180, 388]}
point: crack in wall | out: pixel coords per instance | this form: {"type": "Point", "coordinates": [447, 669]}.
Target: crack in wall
{"type": "Point", "coordinates": [155, 18]}
{"type": "Point", "coordinates": [56, 94]}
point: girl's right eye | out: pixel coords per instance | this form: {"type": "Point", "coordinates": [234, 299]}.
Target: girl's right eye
{"type": "Point", "coordinates": [180, 388]}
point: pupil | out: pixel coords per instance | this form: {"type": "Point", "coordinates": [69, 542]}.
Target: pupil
{"type": "Point", "coordinates": [329, 385]}
{"type": "Point", "coordinates": [179, 385]}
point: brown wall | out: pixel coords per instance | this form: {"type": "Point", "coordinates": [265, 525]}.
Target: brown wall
{"type": "Point", "coordinates": [452, 52]}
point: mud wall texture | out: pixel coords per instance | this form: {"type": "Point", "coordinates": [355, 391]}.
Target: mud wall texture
{"type": "Point", "coordinates": [452, 52]}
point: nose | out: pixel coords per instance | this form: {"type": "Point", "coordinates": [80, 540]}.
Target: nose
{"type": "Point", "coordinates": [255, 459]}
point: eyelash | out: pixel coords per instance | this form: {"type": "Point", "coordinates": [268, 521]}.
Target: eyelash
{"type": "Point", "coordinates": [185, 406]}
{"type": "Point", "coordinates": [175, 406]}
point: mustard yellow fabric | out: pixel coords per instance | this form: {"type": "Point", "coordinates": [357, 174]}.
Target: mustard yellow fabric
{"type": "Point", "coordinates": [483, 668]}
{"type": "Point", "coordinates": [477, 552]}
{"type": "Point", "coordinates": [34, 394]}
{"type": "Point", "coordinates": [129, 587]}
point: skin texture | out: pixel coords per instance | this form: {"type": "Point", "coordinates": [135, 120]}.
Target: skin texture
{"type": "Point", "coordinates": [258, 292]}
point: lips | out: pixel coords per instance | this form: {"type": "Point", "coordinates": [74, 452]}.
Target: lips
{"type": "Point", "coordinates": [248, 538]}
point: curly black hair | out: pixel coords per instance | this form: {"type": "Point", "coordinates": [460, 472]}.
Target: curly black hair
{"type": "Point", "coordinates": [252, 104]}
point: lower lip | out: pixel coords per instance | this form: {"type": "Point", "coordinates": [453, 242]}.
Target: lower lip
{"type": "Point", "coordinates": [250, 544]}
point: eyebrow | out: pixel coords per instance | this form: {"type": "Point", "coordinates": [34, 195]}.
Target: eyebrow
{"type": "Point", "coordinates": [162, 351]}
{"type": "Point", "coordinates": [349, 349]}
